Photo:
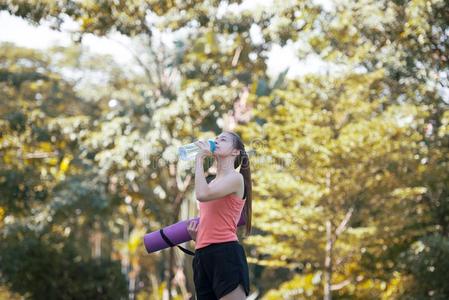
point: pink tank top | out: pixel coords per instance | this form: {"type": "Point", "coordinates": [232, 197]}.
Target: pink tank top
{"type": "Point", "coordinates": [218, 220]}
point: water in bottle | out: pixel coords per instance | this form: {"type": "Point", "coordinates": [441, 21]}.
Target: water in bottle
{"type": "Point", "coordinates": [189, 151]}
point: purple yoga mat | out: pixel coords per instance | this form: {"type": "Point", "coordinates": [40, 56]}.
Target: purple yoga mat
{"type": "Point", "coordinates": [177, 233]}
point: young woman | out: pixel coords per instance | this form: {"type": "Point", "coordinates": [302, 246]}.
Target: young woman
{"type": "Point", "coordinates": [220, 267]}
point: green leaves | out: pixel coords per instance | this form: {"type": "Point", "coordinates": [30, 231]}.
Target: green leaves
{"type": "Point", "coordinates": [49, 268]}
{"type": "Point", "coordinates": [359, 147]}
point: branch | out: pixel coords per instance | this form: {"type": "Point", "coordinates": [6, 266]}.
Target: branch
{"type": "Point", "coordinates": [201, 118]}
{"type": "Point", "coordinates": [236, 57]}
{"type": "Point", "coordinates": [137, 58]}
{"type": "Point", "coordinates": [182, 185]}
{"type": "Point", "coordinates": [343, 223]}
{"type": "Point", "coordinates": [182, 189]}
{"type": "Point", "coordinates": [338, 286]}
{"type": "Point", "coordinates": [40, 155]}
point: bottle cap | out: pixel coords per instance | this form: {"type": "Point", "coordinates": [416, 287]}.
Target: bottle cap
{"type": "Point", "coordinates": [212, 145]}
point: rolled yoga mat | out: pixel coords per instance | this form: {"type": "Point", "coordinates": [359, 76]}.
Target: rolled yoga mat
{"type": "Point", "coordinates": [176, 234]}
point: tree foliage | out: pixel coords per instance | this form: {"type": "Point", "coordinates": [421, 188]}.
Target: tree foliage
{"type": "Point", "coordinates": [351, 167]}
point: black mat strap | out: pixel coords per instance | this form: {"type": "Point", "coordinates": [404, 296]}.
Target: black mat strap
{"type": "Point", "coordinates": [167, 240]}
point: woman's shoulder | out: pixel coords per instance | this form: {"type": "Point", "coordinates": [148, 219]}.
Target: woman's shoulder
{"type": "Point", "coordinates": [214, 179]}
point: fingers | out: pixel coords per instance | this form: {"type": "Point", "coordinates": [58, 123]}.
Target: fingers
{"type": "Point", "coordinates": [193, 225]}
{"type": "Point", "coordinates": [201, 144]}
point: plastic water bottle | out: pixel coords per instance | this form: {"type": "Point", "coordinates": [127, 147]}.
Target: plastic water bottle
{"type": "Point", "coordinates": [189, 151]}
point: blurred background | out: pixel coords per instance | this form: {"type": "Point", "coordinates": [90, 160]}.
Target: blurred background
{"type": "Point", "coordinates": [345, 104]}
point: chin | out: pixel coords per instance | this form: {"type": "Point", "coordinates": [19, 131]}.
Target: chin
{"type": "Point", "coordinates": [218, 154]}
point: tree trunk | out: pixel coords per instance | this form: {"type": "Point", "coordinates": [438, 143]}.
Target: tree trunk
{"type": "Point", "coordinates": [172, 263]}
{"type": "Point", "coordinates": [171, 274]}
{"type": "Point", "coordinates": [328, 262]}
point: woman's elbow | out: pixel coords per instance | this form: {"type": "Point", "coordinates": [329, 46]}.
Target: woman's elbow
{"type": "Point", "coordinates": [200, 197]}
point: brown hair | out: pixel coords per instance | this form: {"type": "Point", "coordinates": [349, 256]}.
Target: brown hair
{"type": "Point", "coordinates": [243, 161]}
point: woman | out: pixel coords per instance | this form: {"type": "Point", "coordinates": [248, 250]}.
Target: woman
{"type": "Point", "coordinates": [219, 265]}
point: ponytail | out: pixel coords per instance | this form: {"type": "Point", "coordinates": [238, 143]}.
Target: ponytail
{"type": "Point", "coordinates": [243, 161]}
{"type": "Point", "coordinates": [246, 172]}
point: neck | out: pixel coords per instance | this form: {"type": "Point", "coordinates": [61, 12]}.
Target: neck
{"type": "Point", "coordinates": [225, 165]}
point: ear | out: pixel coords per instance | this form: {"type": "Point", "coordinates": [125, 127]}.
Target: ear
{"type": "Point", "coordinates": [235, 152]}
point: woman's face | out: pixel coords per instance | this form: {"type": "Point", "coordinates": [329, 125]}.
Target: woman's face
{"type": "Point", "coordinates": [224, 145]}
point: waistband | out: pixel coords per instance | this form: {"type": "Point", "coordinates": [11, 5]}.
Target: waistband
{"type": "Point", "coordinates": [214, 246]}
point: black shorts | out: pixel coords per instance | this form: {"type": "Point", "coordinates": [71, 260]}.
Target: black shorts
{"type": "Point", "coordinates": [218, 269]}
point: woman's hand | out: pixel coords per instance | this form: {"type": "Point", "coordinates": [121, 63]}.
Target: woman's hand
{"type": "Point", "coordinates": [205, 149]}
{"type": "Point", "coordinates": [192, 228]}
